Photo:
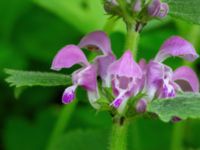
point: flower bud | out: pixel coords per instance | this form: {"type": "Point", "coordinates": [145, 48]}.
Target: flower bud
{"type": "Point", "coordinates": [110, 6]}
{"type": "Point", "coordinates": [141, 106]}
{"type": "Point", "coordinates": [176, 119]}
{"type": "Point", "coordinates": [69, 95]}
{"type": "Point", "coordinates": [163, 10]}
{"type": "Point", "coordinates": [137, 7]}
{"type": "Point", "coordinates": [113, 2]}
{"type": "Point", "coordinates": [158, 9]}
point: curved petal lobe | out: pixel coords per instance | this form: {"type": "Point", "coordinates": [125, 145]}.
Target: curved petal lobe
{"type": "Point", "coordinates": [67, 57]}
{"type": "Point", "coordinates": [97, 40]}
{"type": "Point", "coordinates": [155, 73]}
{"type": "Point", "coordinates": [86, 77]}
{"type": "Point", "coordinates": [187, 79]}
{"type": "Point", "coordinates": [176, 46]}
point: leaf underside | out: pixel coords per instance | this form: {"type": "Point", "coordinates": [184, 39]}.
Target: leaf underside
{"type": "Point", "coordinates": [29, 78]}
{"type": "Point", "coordinates": [187, 10]}
{"type": "Point", "coordinates": [185, 106]}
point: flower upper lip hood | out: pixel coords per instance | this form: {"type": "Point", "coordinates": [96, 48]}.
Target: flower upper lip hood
{"type": "Point", "coordinates": [176, 46]}
{"type": "Point", "coordinates": [69, 56]}
{"type": "Point", "coordinates": [98, 40]}
{"type": "Point", "coordinates": [161, 81]}
{"type": "Point", "coordinates": [126, 66]}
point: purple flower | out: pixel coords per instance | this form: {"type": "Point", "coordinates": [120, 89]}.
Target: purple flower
{"type": "Point", "coordinates": [161, 81]}
{"type": "Point", "coordinates": [125, 75]}
{"type": "Point", "coordinates": [158, 9]}
{"type": "Point", "coordinates": [86, 76]}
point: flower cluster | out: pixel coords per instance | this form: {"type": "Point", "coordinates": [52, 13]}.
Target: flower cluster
{"type": "Point", "coordinates": [125, 76]}
{"type": "Point", "coordinates": [140, 10]}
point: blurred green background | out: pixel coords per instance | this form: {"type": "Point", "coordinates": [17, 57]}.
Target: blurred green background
{"type": "Point", "coordinates": [31, 32]}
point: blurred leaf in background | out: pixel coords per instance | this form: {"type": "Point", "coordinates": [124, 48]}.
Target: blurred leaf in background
{"type": "Point", "coordinates": [85, 15]}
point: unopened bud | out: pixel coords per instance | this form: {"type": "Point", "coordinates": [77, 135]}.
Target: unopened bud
{"type": "Point", "coordinates": [158, 9]}
{"type": "Point", "coordinates": [112, 2]}
{"type": "Point", "coordinates": [141, 106]}
{"type": "Point", "coordinates": [164, 10]}
{"type": "Point", "coordinates": [176, 119]}
{"type": "Point", "coordinates": [137, 7]}
{"type": "Point", "coordinates": [110, 6]}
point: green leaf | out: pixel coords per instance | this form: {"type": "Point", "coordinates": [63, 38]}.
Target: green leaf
{"type": "Point", "coordinates": [83, 140]}
{"type": "Point", "coordinates": [185, 9]}
{"type": "Point", "coordinates": [84, 15]}
{"type": "Point", "coordinates": [22, 133]}
{"type": "Point", "coordinates": [61, 124]}
{"type": "Point", "coordinates": [29, 78]}
{"type": "Point", "coordinates": [10, 12]}
{"type": "Point", "coordinates": [185, 106]}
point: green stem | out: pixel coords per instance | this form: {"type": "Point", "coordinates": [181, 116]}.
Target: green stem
{"type": "Point", "coordinates": [61, 124]}
{"type": "Point", "coordinates": [177, 136]}
{"type": "Point", "coordinates": [110, 25]}
{"type": "Point", "coordinates": [132, 39]}
{"type": "Point", "coordinates": [118, 140]}
{"type": "Point", "coordinates": [136, 145]}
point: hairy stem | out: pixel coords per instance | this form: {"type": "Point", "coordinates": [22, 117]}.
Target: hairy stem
{"type": "Point", "coordinates": [61, 124]}
{"type": "Point", "coordinates": [118, 139]}
{"type": "Point", "coordinates": [132, 35]}
{"type": "Point", "coordinates": [132, 38]}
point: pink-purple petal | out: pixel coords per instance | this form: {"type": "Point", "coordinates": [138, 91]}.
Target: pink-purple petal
{"type": "Point", "coordinates": [117, 102]}
{"type": "Point", "coordinates": [67, 57]}
{"type": "Point", "coordinates": [155, 73]}
{"type": "Point", "coordinates": [126, 66]}
{"type": "Point", "coordinates": [98, 40]}
{"type": "Point", "coordinates": [176, 46]}
{"type": "Point", "coordinates": [103, 62]}
{"type": "Point", "coordinates": [143, 65]}
{"type": "Point", "coordinates": [69, 94]}
{"type": "Point", "coordinates": [86, 77]}
{"type": "Point", "coordinates": [187, 79]}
